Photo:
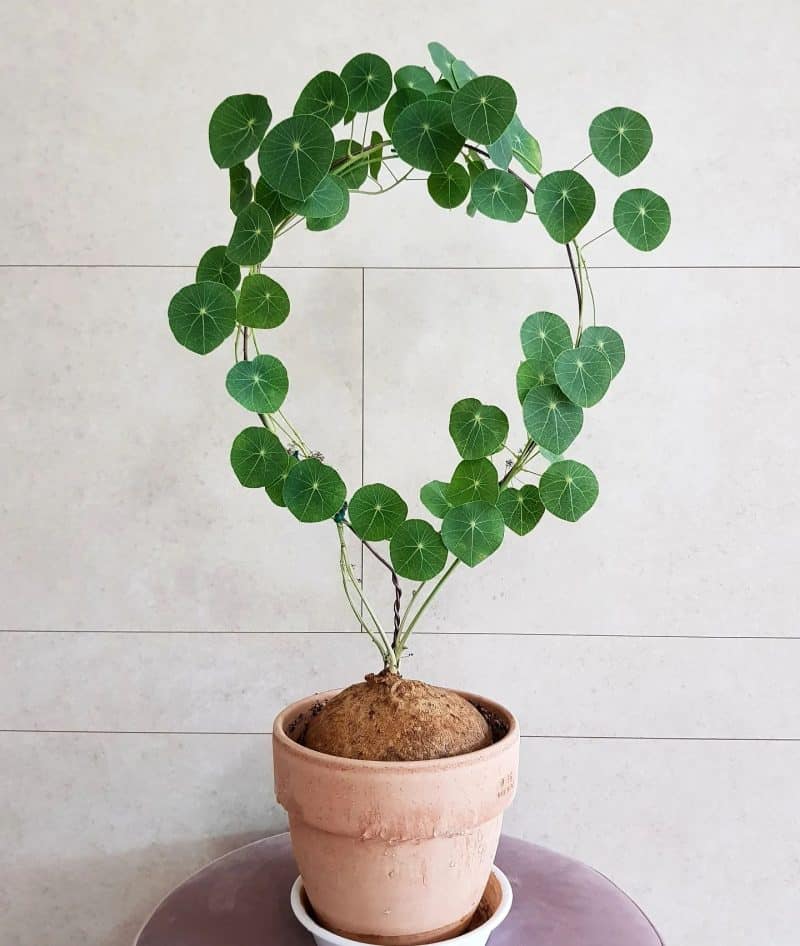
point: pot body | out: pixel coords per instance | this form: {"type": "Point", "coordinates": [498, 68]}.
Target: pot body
{"type": "Point", "coordinates": [394, 853]}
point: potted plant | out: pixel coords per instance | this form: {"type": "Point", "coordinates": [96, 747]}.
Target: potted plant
{"type": "Point", "coordinates": [396, 789]}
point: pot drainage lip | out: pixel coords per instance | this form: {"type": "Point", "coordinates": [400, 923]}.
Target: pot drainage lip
{"type": "Point", "coordinates": [477, 935]}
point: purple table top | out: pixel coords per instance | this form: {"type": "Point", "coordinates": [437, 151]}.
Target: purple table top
{"type": "Point", "coordinates": [243, 899]}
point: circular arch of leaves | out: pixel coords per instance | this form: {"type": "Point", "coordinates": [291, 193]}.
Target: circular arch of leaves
{"type": "Point", "coordinates": [463, 131]}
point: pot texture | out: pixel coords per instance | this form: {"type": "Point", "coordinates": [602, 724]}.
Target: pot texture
{"type": "Point", "coordinates": [394, 853]}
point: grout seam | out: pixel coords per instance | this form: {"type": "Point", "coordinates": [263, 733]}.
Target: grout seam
{"type": "Point", "coordinates": [710, 266]}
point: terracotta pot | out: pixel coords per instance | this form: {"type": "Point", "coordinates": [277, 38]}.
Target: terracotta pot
{"type": "Point", "coordinates": [394, 853]}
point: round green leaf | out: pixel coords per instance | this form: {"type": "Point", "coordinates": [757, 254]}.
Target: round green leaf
{"type": "Point", "coordinates": [258, 385]}
{"type": "Point", "coordinates": [434, 498]}
{"type": "Point", "coordinates": [524, 146]}
{"type": "Point", "coordinates": [478, 430]}
{"type": "Point", "coordinates": [368, 78]}
{"type": "Point", "coordinates": [532, 373]}
{"type": "Point", "coordinates": [609, 342]}
{"type": "Point", "coordinates": [237, 127]}
{"type": "Point", "coordinates": [568, 489]}
{"type": "Point", "coordinates": [376, 158]}
{"type": "Point", "coordinates": [202, 316]}
{"type": "Point", "coordinates": [500, 195]}
{"type": "Point", "coordinates": [443, 59]}
{"type": "Point", "coordinates": [450, 188]}
{"type": "Point", "coordinates": [241, 191]}
{"type": "Point", "coordinates": [263, 303]}
{"type": "Point", "coordinates": [551, 419]}
{"type": "Point", "coordinates": [271, 201]}
{"type": "Point", "coordinates": [544, 335]}
{"type": "Point", "coordinates": [356, 174]}
{"type": "Point", "coordinates": [583, 374]}
{"type": "Point", "coordinates": [417, 551]}
{"type": "Point", "coordinates": [473, 531]}
{"type": "Point", "coordinates": [376, 512]}
{"type": "Point", "coordinates": [483, 108]}
{"type": "Point", "coordinates": [324, 96]}
{"type": "Point", "coordinates": [642, 218]}
{"type": "Point", "coordinates": [296, 155]}
{"type": "Point", "coordinates": [620, 139]}
{"type": "Point", "coordinates": [424, 136]}
{"type": "Point", "coordinates": [521, 508]}
{"type": "Point", "coordinates": [327, 223]}
{"type": "Point", "coordinates": [414, 77]}
{"type": "Point", "coordinates": [462, 73]}
{"type": "Point", "coordinates": [400, 100]}
{"type": "Point", "coordinates": [274, 486]}
{"type": "Point", "coordinates": [564, 201]}
{"type": "Point", "coordinates": [257, 457]}
{"type": "Point", "coordinates": [472, 480]}
{"type": "Point", "coordinates": [251, 240]}
{"type": "Point", "coordinates": [214, 266]}
{"type": "Point", "coordinates": [313, 491]}
{"type": "Point", "coordinates": [326, 201]}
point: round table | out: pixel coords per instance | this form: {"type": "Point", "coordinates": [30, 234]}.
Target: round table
{"type": "Point", "coordinates": [243, 898]}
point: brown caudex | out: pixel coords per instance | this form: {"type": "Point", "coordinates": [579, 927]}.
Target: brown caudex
{"type": "Point", "coordinates": [394, 853]}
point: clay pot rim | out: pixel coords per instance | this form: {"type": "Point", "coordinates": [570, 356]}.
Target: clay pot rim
{"type": "Point", "coordinates": [293, 710]}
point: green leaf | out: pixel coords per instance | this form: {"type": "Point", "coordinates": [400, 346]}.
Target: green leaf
{"type": "Point", "coordinates": [415, 77]}
{"type": "Point", "coordinates": [271, 201]}
{"type": "Point", "coordinates": [424, 136]}
{"type": "Point", "coordinates": [544, 335]}
{"type": "Point", "coordinates": [442, 95]}
{"type": "Point", "coordinates": [500, 195]}
{"type": "Point", "coordinates": [500, 151]}
{"type": "Point", "coordinates": [258, 385]}
{"type": "Point", "coordinates": [241, 192]}
{"type": "Point", "coordinates": [376, 512]}
{"type": "Point", "coordinates": [214, 266]}
{"type": "Point", "coordinates": [583, 374]}
{"type": "Point", "coordinates": [474, 531]}
{"type": "Point", "coordinates": [609, 342]}
{"type": "Point", "coordinates": [551, 419]}
{"type": "Point", "coordinates": [642, 218]}
{"type": "Point", "coordinates": [356, 174]}
{"type": "Point", "coordinates": [473, 479]}
{"type": "Point", "coordinates": [417, 551]}
{"type": "Point", "coordinates": [400, 100]}
{"type": "Point", "coordinates": [443, 59]}
{"type": "Point", "coordinates": [202, 316]}
{"type": "Point", "coordinates": [564, 201]}
{"type": "Point", "coordinates": [533, 373]}
{"type": "Point", "coordinates": [483, 108]}
{"type": "Point", "coordinates": [450, 188]}
{"type": "Point", "coordinates": [237, 127]}
{"type": "Point", "coordinates": [327, 223]}
{"type": "Point", "coordinates": [251, 240]}
{"type": "Point", "coordinates": [257, 457]}
{"type": "Point", "coordinates": [521, 508]}
{"type": "Point", "coordinates": [462, 73]}
{"type": "Point", "coordinates": [568, 489]}
{"type": "Point", "coordinates": [478, 430]}
{"type": "Point", "coordinates": [326, 201]}
{"type": "Point", "coordinates": [324, 96]}
{"type": "Point", "coordinates": [524, 146]}
{"type": "Point", "coordinates": [434, 498]}
{"type": "Point", "coordinates": [368, 78]}
{"type": "Point", "coordinates": [263, 303]}
{"type": "Point", "coordinates": [376, 158]}
{"type": "Point", "coordinates": [274, 486]}
{"type": "Point", "coordinates": [313, 491]}
{"type": "Point", "coordinates": [620, 139]}
{"type": "Point", "coordinates": [296, 155]}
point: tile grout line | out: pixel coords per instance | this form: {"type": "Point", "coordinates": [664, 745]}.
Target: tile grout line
{"type": "Point", "coordinates": [363, 387]}
{"type": "Point", "coordinates": [596, 266]}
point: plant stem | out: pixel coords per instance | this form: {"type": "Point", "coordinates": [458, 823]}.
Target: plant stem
{"type": "Point", "coordinates": [398, 592]}
{"type": "Point", "coordinates": [401, 644]}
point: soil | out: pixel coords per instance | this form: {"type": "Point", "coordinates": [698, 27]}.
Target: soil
{"type": "Point", "coordinates": [390, 719]}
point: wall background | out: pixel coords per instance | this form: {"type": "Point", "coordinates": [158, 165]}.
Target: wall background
{"type": "Point", "coordinates": [155, 615]}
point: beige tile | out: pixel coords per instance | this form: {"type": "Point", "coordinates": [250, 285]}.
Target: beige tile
{"type": "Point", "coordinates": [556, 685]}
{"type": "Point", "coordinates": [695, 529]}
{"type": "Point", "coordinates": [118, 502]}
{"type": "Point", "coordinates": [97, 829]}
{"type": "Point", "coordinates": [106, 149]}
